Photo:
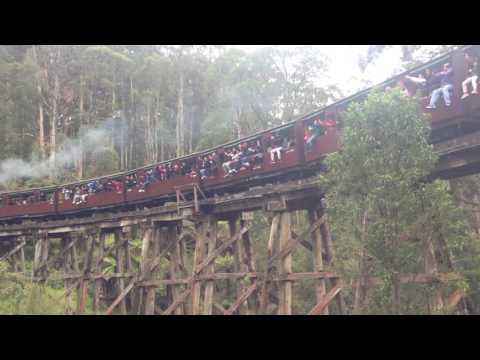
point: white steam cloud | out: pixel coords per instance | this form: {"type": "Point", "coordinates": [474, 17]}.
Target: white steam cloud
{"type": "Point", "coordinates": [91, 139]}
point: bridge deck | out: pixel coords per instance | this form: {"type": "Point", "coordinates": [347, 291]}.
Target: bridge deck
{"type": "Point", "coordinates": [273, 197]}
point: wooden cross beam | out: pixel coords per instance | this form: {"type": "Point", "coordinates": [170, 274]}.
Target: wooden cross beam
{"type": "Point", "coordinates": [121, 296]}
{"type": "Point", "coordinates": [291, 244]}
{"type": "Point", "coordinates": [245, 295]}
{"type": "Point", "coordinates": [71, 288]}
{"type": "Point", "coordinates": [220, 250]}
{"type": "Point", "coordinates": [13, 251]}
{"type": "Point", "coordinates": [232, 276]}
{"type": "Point", "coordinates": [217, 252]}
{"type": "Point", "coordinates": [219, 308]}
{"type": "Point", "coordinates": [306, 244]}
{"type": "Point", "coordinates": [181, 298]}
{"type": "Point", "coordinates": [455, 299]}
{"type": "Point", "coordinates": [155, 262]}
{"type": "Point", "coordinates": [318, 309]}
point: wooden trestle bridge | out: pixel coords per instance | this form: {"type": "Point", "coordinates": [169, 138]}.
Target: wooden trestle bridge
{"type": "Point", "coordinates": [76, 247]}
{"type": "Point", "coordinates": [184, 240]}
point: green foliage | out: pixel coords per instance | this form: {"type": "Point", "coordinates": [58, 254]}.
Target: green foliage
{"type": "Point", "coordinates": [382, 209]}
{"type": "Point", "coordinates": [19, 296]}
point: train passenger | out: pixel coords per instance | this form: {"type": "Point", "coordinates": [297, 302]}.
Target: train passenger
{"type": "Point", "coordinates": [226, 164]}
{"type": "Point", "coordinates": [316, 130]}
{"type": "Point", "coordinates": [210, 165]}
{"type": "Point", "coordinates": [66, 192]}
{"type": "Point", "coordinates": [93, 186]}
{"type": "Point", "coordinates": [256, 155]}
{"type": "Point", "coordinates": [148, 179]}
{"type": "Point", "coordinates": [204, 164]}
{"type": "Point", "coordinates": [423, 81]}
{"type": "Point", "coordinates": [212, 160]}
{"type": "Point", "coordinates": [473, 76]}
{"type": "Point", "coordinates": [446, 85]}
{"type": "Point", "coordinates": [419, 81]}
{"type": "Point", "coordinates": [232, 158]}
{"type": "Point", "coordinates": [244, 159]}
{"type": "Point", "coordinates": [169, 168]}
{"type": "Point", "coordinates": [193, 173]}
{"type": "Point", "coordinates": [108, 185]}
{"type": "Point", "coordinates": [276, 147]}
{"type": "Point", "coordinates": [175, 169]}
{"type": "Point", "coordinates": [117, 185]}
{"type": "Point", "coordinates": [80, 196]}
{"type": "Point", "coordinates": [162, 172]}
{"type": "Point", "coordinates": [130, 182]}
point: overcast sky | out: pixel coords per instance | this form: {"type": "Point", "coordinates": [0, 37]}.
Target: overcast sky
{"type": "Point", "coordinates": [344, 69]}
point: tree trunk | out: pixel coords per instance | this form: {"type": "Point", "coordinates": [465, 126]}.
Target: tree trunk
{"type": "Point", "coordinates": [131, 122]}
{"type": "Point", "coordinates": [431, 268]}
{"type": "Point", "coordinates": [41, 130]}
{"type": "Point", "coordinates": [114, 95]}
{"type": "Point", "coordinates": [81, 105]}
{"type": "Point", "coordinates": [361, 290]}
{"type": "Point", "coordinates": [238, 127]}
{"type": "Point", "coordinates": [53, 122]}
{"type": "Point", "coordinates": [155, 129]}
{"type": "Point", "coordinates": [190, 134]}
{"type": "Point", "coordinates": [180, 116]}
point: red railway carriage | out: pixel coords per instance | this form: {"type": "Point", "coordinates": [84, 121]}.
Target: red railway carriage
{"type": "Point", "coordinates": [219, 173]}
{"type": "Point", "coordinates": [277, 150]}
{"type": "Point", "coordinates": [28, 203]}
{"type": "Point", "coordinates": [325, 143]}
{"type": "Point", "coordinates": [159, 187]}
{"type": "Point", "coordinates": [284, 147]}
{"type": "Point", "coordinates": [110, 196]}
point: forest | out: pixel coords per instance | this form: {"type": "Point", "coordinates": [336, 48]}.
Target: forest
{"type": "Point", "coordinates": [71, 112]}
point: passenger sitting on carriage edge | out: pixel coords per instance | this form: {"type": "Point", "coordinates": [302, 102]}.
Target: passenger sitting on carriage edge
{"type": "Point", "coordinates": [92, 186]}
{"type": "Point", "coordinates": [80, 196]}
{"type": "Point", "coordinates": [473, 76]}
{"type": "Point", "coordinates": [446, 85]}
{"type": "Point", "coordinates": [67, 193]}
{"type": "Point", "coordinates": [244, 160]}
{"type": "Point", "coordinates": [232, 157]}
{"type": "Point", "coordinates": [276, 150]}
{"type": "Point", "coordinates": [316, 130]}
{"type": "Point", "coordinates": [204, 167]}
{"type": "Point", "coordinates": [148, 179]}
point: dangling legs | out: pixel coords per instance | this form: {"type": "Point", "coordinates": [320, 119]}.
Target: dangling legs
{"type": "Point", "coordinates": [446, 94]}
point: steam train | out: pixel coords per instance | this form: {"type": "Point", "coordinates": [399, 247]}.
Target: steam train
{"type": "Point", "coordinates": [293, 157]}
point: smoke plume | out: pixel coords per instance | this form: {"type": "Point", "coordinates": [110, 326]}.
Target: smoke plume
{"type": "Point", "coordinates": [90, 139]}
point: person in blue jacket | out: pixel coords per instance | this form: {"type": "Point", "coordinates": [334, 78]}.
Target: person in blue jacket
{"type": "Point", "coordinates": [446, 85]}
